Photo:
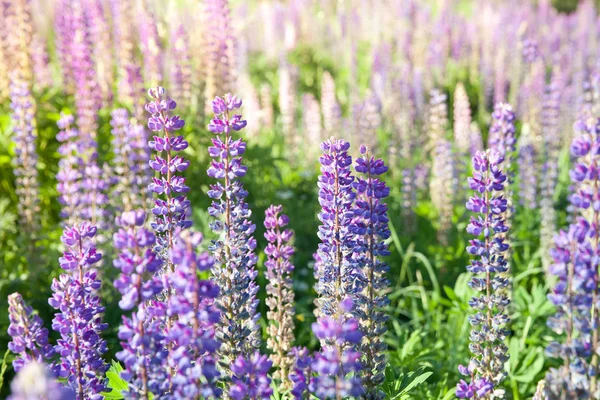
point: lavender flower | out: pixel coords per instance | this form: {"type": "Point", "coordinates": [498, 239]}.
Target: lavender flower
{"type": "Point", "coordinates": [123, 39]}
{"type": "Point", "coordinates": [98, 29]}
{"type": "Point", "coordinates": [280, 291]}
{"type": "Point", "coordinates": [29, 337]}
{"type": "Point", "coordinates": [171, 205]}
{"type": "Point", "coordinates": [313, 131]}
{"type": "Point", "coordinates": [287, 100]}
{"type": "Point", "coordinates": [25, 161]}
{"type": "Point", "coordinates": [488, 332]}
{"type": "Point", "coordinates": [335, 197]}
{"type": "Point", "coordinates": [191, 336]}
{"type": "Point", "coordinates": [266, 107]}
{"type": "Point", "coordinates": [409, 200]}
{"type": "Point", "coordinates": [234, 271]}
{"type": "Point", "coordinates": [79, 320]}
{"type": "Point", "coordinates": [63, 26]}
{"type": "Point", "coordinates": [250, 379]}
{"type": "Point", "coordinates": [42, 73]}
{"type": "Point", "coordinates": [131, 161]}
{"type": "Point", "coordinates": [150, 47]}
{"type": "Point", "coordinates": [338, 363]}
{"type": "Point", "coordinates": [527, 174]}
{"type": "Point", "coordinates": [34, 381]}
{"type": "Point", "coordinates": [69, 170]}
{"type": "Point", "coordinates": [370, 229]}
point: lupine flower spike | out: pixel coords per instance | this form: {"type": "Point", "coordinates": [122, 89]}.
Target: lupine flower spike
{"type": "Point", "coordinates": [280, 292]}
{"type": "Point", "coordinates": [488, 332]}
{"type": "Point", "coordinates": [29, 337]}
{"type": "Point", "coordinates": [369, 228]}
{"type": "Point", "coordinates": [79, 320]}
{"type": "Point", "coordinates": [234, 270]}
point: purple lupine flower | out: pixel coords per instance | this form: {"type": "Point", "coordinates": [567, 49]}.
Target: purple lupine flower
{"type": "Point", "coordinates": [369, 228]}
{"type": "Point", "coordinates": [192, 335]}
{"type": "Point", "coordinates": [549, 173]}
{"type": "Point", "coordinates": [488, 332]}
{"type": "Point", "coordinates": [234, 271]}
{"type": "Point", "coordinates": [34, 381]}
{"type": "Point", "coordinates": [409, 200]}
{"type": "Point", "coordinates": [25, 161]}
{"type": "Point", "coordinates": [124, 42]}
{"type": "Point", "coordinates": [301, 373]}
{"type": "Point", "coordinates": [443, 187]}
{"type": "Point", "coordinates": [144, 351]}
{"type": "Point", "coordinates": [131, 162]}
{"type": "Point", "coordinates": [367, 119]}
{"type": "Point", "coordinates": [181, 69]}
{"type": "Point", "coordinates": [79, 320]}
{"type": "Point", "coordinates": [572, 297]}
{"type": "Point", "coordinates": [87, 92]}
{"type": "Point", "coordinates": [280, 292]}
{"type": "Point", "coordinates": [99, 38]}
{"type": "Point", "coordinates": [63, 26]}
{"type": "Point", "coordinates": [70, 167]}
{"type": "Point", "coordinates": [171, 208]}
{"type": "Point", "coordinates": [42, 73]}
{"type": "Point", "coordinates": [250, 379]}
{"type": "Point", "coordinates": [150, 47]}
{"type": "Point", "coordinates": [337, 364]}
{"type": "Point", "coordinates": [29, 337]}
{"type": "Point", "coordinates": [219, 68]}
{"type": "Point", "coordinates": [585, 198]}
{"type": "Point", "coordinates": [336, 197]}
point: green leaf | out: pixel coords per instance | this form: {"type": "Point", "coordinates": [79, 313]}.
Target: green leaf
{"type": "Point", "coordinates": [115, 382]}
{"type": "Point", "coordinates": [4, 367]}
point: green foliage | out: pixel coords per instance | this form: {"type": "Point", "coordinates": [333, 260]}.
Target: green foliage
{"type": "Point", "coordinates": [116, 384]}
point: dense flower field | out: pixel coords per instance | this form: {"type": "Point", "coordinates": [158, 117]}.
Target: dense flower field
{"type": "Point", "coordinates": [375, 199]}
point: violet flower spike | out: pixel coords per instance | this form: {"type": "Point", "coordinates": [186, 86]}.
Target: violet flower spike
{"type": "Point", "coordinates": [280, 291]}
{"type": "Point", "coordinates": [234, 270]}
{"type": "Point", "coordinates": [35, 381]}
{"type": "Point", "coordinates": [79, 320]}
{"type": "Point", "coordinates": [488, 324]}
{"type": "Point", "coordinates": [29, 337]}
{"type": "Point", "coordinates": [250, 378]}
{"type": "Point", "coordinates": [144, 351]}
{"type": "Point", "coordinates": [370, 231]}
{"type": "Point", "coordinates": [171, 210]}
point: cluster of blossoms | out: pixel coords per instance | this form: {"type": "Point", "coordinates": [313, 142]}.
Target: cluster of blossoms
{"type": "Point", "coordinates": [333, 268]}
{"type": "Point", "coordinates": [234, 270]}
{"type": "Point", "coordinates": [79, 320]}
{"type": "Point", "coordinates": [442, 186]}
{"type": "Point", "coordinates": [191, 307]}
{"type": "Point", "coordinates": [69, 173]}
{"type": "Point", "coordinates": [369, 227]}
{"type": "Point", "coordinates": [131, 169]}
{"type": "Point", "coordinates": [488, 332]}
{"type": "Point", "coordinates": [575, 255]}
{"type": "Point", "coordinates": [25, 162]}
{"type": "Point", "coordinates": [29, 337]}
{"type": "Point", "coordinates": [34, 381]}
{"type": "Point", "coordinates": [250, 379]}
{"type": "Point", "coordinates": [141, 334]}
{"type": "Point", "coordinates": [280, 291]}
{"type": "Point", "coordinates": [172, 211]}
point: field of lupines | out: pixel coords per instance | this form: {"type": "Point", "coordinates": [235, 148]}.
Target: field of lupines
{"type": "Point", "coordinates": [376, 199]}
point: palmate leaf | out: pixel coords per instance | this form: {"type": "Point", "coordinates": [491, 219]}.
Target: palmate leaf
{"type": "Point", "coordinates": [398, 387]}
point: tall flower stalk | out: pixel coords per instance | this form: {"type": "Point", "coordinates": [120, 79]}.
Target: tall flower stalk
{"type": "Point", "coordinates": [234, 270]}
{"type": "Point", "coordinates": [488, 332]}
{"type": "Point", "coordinates": [142, 338]}
{"type": "Point", "coordinates": [79, 320]}
{"type": "Point", "coordinates": [171, 210]}
{"type": "Point", "coordinates": [370, 230]}
{"type": "Point", "coordinates": [29, 337]}
{"type": "Point", "coordinates": [280, 291]}
{"type": "Point", "coordinates": [25, 161]}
